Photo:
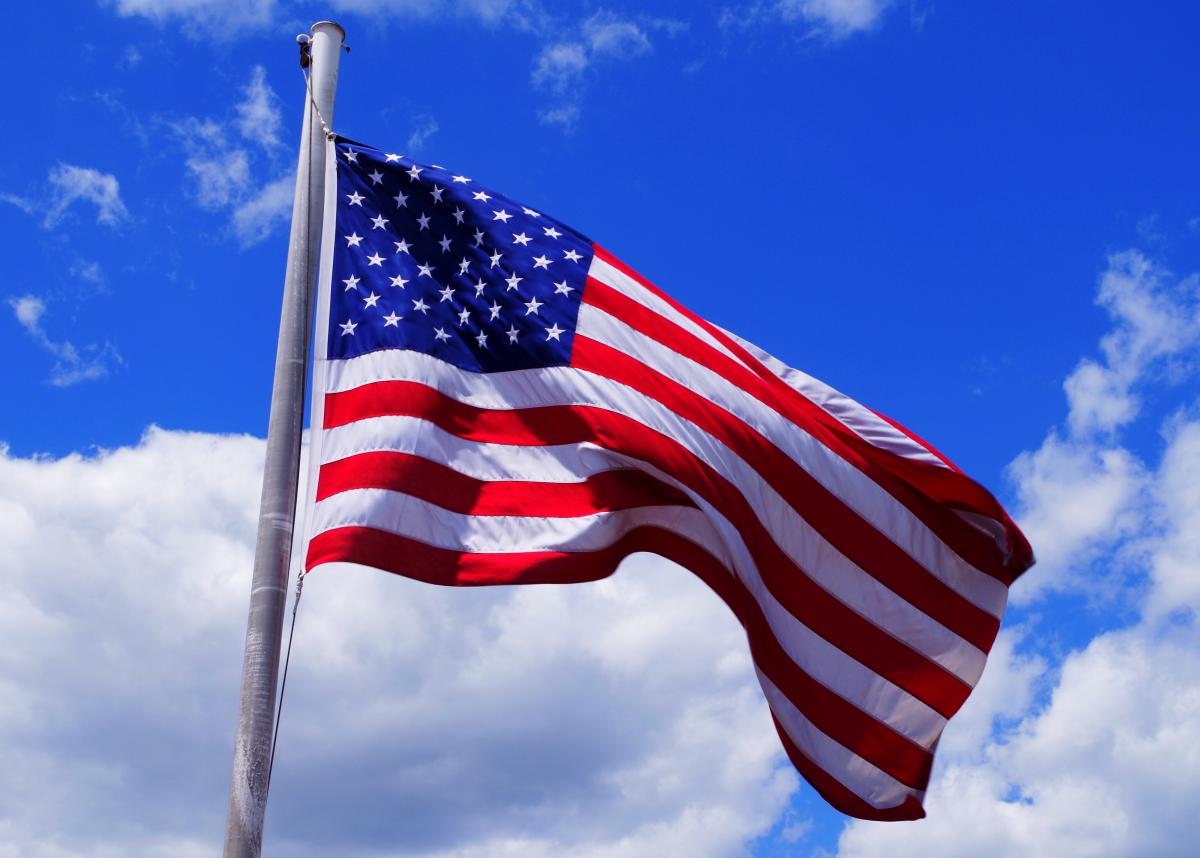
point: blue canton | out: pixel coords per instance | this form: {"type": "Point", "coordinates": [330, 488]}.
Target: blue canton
{"type": "Point", "coordinates": [431, 261]}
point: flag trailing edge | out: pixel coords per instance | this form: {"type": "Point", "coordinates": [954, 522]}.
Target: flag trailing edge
{"type": "Point", "coordinates": [499, 400]}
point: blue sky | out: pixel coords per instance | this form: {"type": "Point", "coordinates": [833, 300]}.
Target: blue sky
{"type": "Point", "coordinates": [980, 219]}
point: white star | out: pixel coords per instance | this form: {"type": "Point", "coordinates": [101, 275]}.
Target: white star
{"type": "Point", "coordinates": [478, 237]}
{"type": "Point", "coordinates": [371, 300]}
{"type": "Point", "coordinates": [461, 179]}
{"type": "Point", "coordinates": [436, 193]}
{"type": "Point", "coordinates": [351, 156]}
{"type": "Point", "coordinates": [348, 328]}
{"type": "Point", "coordinates": [423, 220]}
{"type": "Point", "coordinates": [353, 239]}
{"type": "Point", "coordinates": [440, 335]}
{"type": "Point", "coordinates": [481, 196]}
{"type": "Point", "coordinates": [495, 257]}
{"type": "Point", "coordinates": [501, 215]}
{"type": "Point", "coordinates": [495, 310]}
{"type": "Point", "coordinates": [464, 265]}
{"type": "Point", "coordinates": [390, 158]}
{"type": "Point", "coordinates": [554, 332]}
{"type": "Point", "coordinates": [380, 221]}
{"type": "Point", "coordinates": [458, 215]}
{"type": "Point", "coordinates": [424, 270]}
{"type": "Point", "coordinates": [479, 286]}
{"type": "Point", "coordinates": [398, 281]}
{"type": "Point", "coordinates": [551, 231]}
{"type": "Point", "coordinates": [401, 199]}
{"type": "Point", "coordinates": [376, 177]}
{"type": "Point", "coordinates": [375, 259]}
{"type": "Point", "coordinates": [541, 262]}
{"type": "Point", "coordinates": [445, 243]}
{"type": "Point", "coordinates": [532, 305]}
{"type": "Point", "coordinates": [563, 289]}
{"type": "Point", "coordinates": [530, 212]}
{"type": "Point", "coordinates": [446, 293]}
{"type": "Point", "coordinates": [351, 283]}
{"type": "Point", "coordinates": [392, 320]}
{"type": "Point", "coordinates": [419, 304]}
{"type": "Point", "coordinates": [402, 246]}
{"type": "Point", "coordinates": [482, 340]}
{"type": "Point", "coordinates": [572, 255]}
{"type": "Point", "coordinates": [414, 172]}
{"type": "Point", "coordinates": [512, 333]}
{"type": "Point", "coordinates": [464, 317]}
{"type": "Point", "coordinates": [512, 282]}
{"type": "Point", "coordinates": [521, 239]}
{"type": "Point", "coordinates": [355, 198]}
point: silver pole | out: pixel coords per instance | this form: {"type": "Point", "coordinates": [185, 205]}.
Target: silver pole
{"type": "Point", "coordinates": [277, 511]}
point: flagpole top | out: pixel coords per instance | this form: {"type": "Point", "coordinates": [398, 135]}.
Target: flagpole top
{"type": "Point", "coordinates": [320, 25]}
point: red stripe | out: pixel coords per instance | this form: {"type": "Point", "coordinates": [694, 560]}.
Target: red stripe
{"type": "Point", "coordinates": [831, 714]}
{"type": "Point", "coordinates": [445, 487]}
{"type": "Point", "coordinates": [561, 424]}
{"type": "Point", "coordinates": [925, 487]}
{"type": "Point", "coordinates": [845, 529]}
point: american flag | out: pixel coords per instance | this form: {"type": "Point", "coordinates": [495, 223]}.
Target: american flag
{"type": "Point", "coordinates": [502, 401]}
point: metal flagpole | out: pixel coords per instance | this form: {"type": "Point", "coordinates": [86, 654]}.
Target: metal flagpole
{"type": "Point", "coordinates": [277, 511]}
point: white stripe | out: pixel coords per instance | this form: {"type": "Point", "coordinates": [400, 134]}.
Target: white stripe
{"type": "Point", "coordinates": [611, 276]}
{"type": "Point", "coordinates": [846, 482]}
{"type": "Point", "coordinates": [551, 463]}
{"type": "Point", "coordinates": [854, 416]}
{"type": "Point", "coordinates": [871, 784]}
{"type": "Point", "coordinates": [567, 386]}
{"type": "Point", "coordinates": [414, 518]}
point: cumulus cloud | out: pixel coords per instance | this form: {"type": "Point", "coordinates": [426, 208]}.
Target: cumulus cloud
{"type": "Point", "coordinates": [71, 365]}
{"type": "Point", "coordinates": [614, 719]}
{"type": "Point", "coordinates": [1083, 492]}
{"type": "Point", "coordinates": [1107, 763]}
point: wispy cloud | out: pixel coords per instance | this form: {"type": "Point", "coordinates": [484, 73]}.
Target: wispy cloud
{"type": "Point", "coordinates": [562, 66]}
{"type": "Point", "coordinates": [71, 365]}
{"type": "Point", "coordinates": [68, 184]}
{"type": "Point", "coordinates": [226, 156]}
{"type": "Point", "coordinates": [427, 126]}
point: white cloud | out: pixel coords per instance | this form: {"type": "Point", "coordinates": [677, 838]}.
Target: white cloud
{"type": "Point", "coordinates": [560, 65]}
{"type": "Point", "coordinates": [71, 365]}
{"type": "Point", "coordinates": [220, 18]}
{"type": "Point", "coordinates": [837, 17]}
{"type": "Point", "coordinates": [607, 720]}
{"type": "Point", "coordinates": [1082, 492]}
{"type": "Point", "coordinates": [1110, 767]}
{"type": "Point", "coordinates": [69, 184]}
{"type": "Point", "coordinates": [256, 218]}
{"type": "Point", "coordinates": [224, 171]}
{"type": "Point", "coordinates": [608, 34]}
{"type": "Point", "coordinates": [259, 119]}
{"type": "Point", "coordinates": [426, 127]}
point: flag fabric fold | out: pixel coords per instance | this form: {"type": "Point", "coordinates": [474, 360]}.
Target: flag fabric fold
{"type": "Point", "coordinates": [499, 400]}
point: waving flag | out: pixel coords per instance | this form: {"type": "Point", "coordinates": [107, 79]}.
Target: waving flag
{"type": "Point", "coordinates": [502, 401]}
